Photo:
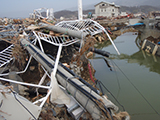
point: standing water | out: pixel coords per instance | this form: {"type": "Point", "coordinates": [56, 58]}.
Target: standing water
{"type": "Point", "coordinates": [134, 78]}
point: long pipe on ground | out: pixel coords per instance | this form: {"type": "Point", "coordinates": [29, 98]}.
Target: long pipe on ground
{"type": "Point", "coordinates": [73, 85]}
{"type": "Point", "coordinates": [100, 52]}
{"type": "Point", "coordinates": [81, 79]}
{"type": "Point", "coordinates": [73, 33]}
{"type": "Point", "coordinates": [97, 51]}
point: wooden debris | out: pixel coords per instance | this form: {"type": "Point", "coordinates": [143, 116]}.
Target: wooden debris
{"type": "Point", "coordinates": [6, 41]}
{"type": "Point", "coordinates": [86, 116]}
{"type": "Point", "coordinates": [30, 21]}
{"type": "Point", "coordinates": [33, 27]}
{"type": "Point", "coordinates": [51, 33]}
{"type": "Point", "coordinates": [121, 116]}
{"type": "Point", "coordinates": [46, 22]}
{"type": "Point", "coordinates": [99, 38]}
{"type": "Point", "coordinates": [65, 64]}
{"type": "Point", "coordinates": [5, 90]}
{"type": "Point", "coordinates": [89, 54]}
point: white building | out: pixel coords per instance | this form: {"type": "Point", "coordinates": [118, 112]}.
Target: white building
{"type": "Point", "coordinates": [107, 9]}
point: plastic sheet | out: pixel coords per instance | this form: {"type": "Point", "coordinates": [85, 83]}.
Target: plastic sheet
{"type": "Point", "coordinates": [57, 95]}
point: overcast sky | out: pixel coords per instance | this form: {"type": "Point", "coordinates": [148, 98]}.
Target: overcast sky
{"type": "Point", "coordinates": [22, 8]}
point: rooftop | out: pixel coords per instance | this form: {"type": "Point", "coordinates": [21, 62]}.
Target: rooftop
{"type": "Point", "coordinates": [112, 4]}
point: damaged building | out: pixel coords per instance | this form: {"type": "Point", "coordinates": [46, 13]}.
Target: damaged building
{"type": "Point", "coordinates": [107, 9]}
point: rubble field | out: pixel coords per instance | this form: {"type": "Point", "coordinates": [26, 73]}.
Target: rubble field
{"type": "Point", "coordinates": [52, 111]}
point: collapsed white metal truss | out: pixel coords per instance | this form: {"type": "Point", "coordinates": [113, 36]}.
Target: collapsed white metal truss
{"type": "Point", "coordinates": [56, 40]}
{"type": "Point", "coordinates": [43, 13]}
{"type": "Point", "coordinates": [6, 56]}
{"type": "Point", "coordinates": [88, 26]}
{"type": "Point", "coordinates": [7, 53]}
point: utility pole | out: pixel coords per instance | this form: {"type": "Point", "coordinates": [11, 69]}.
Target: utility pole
{"type": "Point", "coordinates": [80, 11]}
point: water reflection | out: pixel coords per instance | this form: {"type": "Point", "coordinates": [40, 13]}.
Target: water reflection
{"type": "Point", "coordinates": [142, 58]}
{"type": "Point", "coordinates": [134, 80]}
{"type": "Point", "coordinates": [150, 61]}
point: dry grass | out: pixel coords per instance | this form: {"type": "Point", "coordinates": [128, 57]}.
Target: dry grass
{"type": "Point", "coordinates": [18, 53]}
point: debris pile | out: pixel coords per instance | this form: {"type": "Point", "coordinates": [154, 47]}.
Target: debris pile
{"type": "Point", "coordinates": [116, 27]}
{"type": "Point", "coordinates": [154, 40]}
{"type": "Point", "coordinates": [43, 39]}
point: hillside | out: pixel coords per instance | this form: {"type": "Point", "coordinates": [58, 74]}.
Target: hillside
{"type": "Point", "coordinates": [68, 14]}
{"type": "Point", "coordinates": [65, 13]}
{"type": "Point", "coordinates": [134, 9]}
{"type": "Point", "coordinates": [152, 2]}
{"type": "Point", "coordinates": [155, 3]}
{"type": "Point", "coordinates": [144, 9]}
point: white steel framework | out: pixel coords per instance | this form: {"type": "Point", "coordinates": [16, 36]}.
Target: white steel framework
{"type": "Point", "coordinates": [88, 26]}
{"type": "Point", "coordinates": [6, 56]}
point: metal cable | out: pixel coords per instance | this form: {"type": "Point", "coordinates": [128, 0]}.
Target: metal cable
{"type": "Point", "coordinates": [112, 95]}
{"type": "Point", "coordinates": [137, 89]}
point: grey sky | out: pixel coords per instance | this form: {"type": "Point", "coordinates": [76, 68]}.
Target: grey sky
{"type": "Point", "coordinates": [22, 8]}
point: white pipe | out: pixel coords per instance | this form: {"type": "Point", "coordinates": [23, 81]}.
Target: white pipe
{"type": "Point", "coordinates": [112, 42]}
{"type": "Point", "coordinates": [42, 79]}
{"type": "Point", "coordinates": [80, 11]}
{"type": "Point", "coordinates": [22, 83]}
{"type": "Point", "coordinates": [41, 82]}
{"type": "Point", "coordinates": [57, 59]}
{"type": "Point", "coordinates": [47, 13]}
{"type": "Point", "coordinates": [20, 71]}
{"type": "Point", "coordinates": [39, 100]}
{"type": "Point", "coordinates": [46, 97]}
{"type": "Point", "coordinates": [39, 41]}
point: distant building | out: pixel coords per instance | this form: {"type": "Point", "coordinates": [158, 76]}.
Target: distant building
{"type": "Point", "coordinates": [154, 14]}
{"type": "Point", "coordinates": [123, 14]}
{"type": "Point", "coordinates": [107, 9]}
{"type": "Point", "coordinates": [138, 14]}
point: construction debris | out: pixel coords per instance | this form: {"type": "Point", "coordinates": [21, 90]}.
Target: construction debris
{"type": "Point", "coordinates": [43, 40]}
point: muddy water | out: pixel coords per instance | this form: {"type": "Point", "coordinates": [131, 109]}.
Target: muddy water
{"type": "Point", "coordinates": [134, 80]}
